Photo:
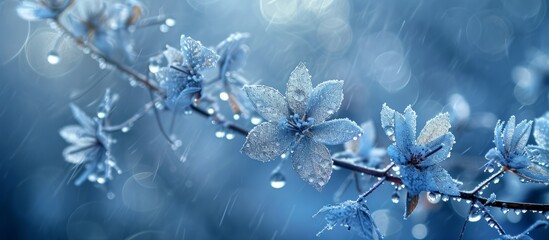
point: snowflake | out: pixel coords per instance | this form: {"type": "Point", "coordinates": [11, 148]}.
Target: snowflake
{"type": "Point", "coordinates": [353, 215]}
{"type": "Point", "coordinates": [42, 9]}
{"type": "Point", "coordinates": [297, 123]}
{"type": "Point", "coordinates": [418, 158]}
{"type": "Point", "coordinates": [182, 78]}
{"type": "Point", "coordinates": [90, 144]}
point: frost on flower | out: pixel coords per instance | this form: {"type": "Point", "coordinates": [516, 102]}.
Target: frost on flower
{"type": "Point", "coordinates": [182, 78]}
{"type": "Point", "coordinates": [42, 9]}
{"type": "Point", "coordinates": [524, 235]}
{"type": "Point", "coordinates": [539, 154]}
{"type": "Point", "coordinates": [296, 123]}
{"type": "Point", "coordinates": [233, 53]}
{"type": "Point", "coordinates": [107, 26]}
{"type": "Point", "coordinates": [512, 153]}
{"type": "Point", "coordinates": [418, 158]}
{"type": "Point", "coordinates": [363, 151]}
{"type": "Point", "coordinates": [90, 145]}
{"type": "Point", "coordinates": [353, 215]}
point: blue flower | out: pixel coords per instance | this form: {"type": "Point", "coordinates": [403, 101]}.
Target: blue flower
{"type": "Point", "coordinates": [107, 26]}
{"type": "Point", "coordinates": [363, 151]}
{"type": "Point", "coordinates": [228, 84]}
{"type": "Point", "coordinates": [182, 78]}
{"type": "Point", "coordinates": [297, 124]}
{"type": "Point", "coordinates": [418, 158]}
{"type": "Point", "coordinates": [90, 145]}
{"type": "Point", "coordinates": [510, 150]}
{"type": "Point", "coordinates": [42, 9]}
{"type": "Point", "coordinates": [353, 215]}
{"type": "Point", "coordinates": [537, 170]}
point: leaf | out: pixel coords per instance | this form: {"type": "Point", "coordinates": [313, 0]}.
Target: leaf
{"type": "Point", "coordinates": [534, 172]}
{"type": "Point", "coordinates": [325, 100]}
{"type": "Point", "coordinates": [267, 141]}
{"type": "Point", "coordinates": [268, 102]}
{"type": "Point", "coordinates": [404, 135]}
{"type": "Point", "coordinates": [521, 134]}
{"type": "Point", "coordinates": [197, 56]}
{"type": "Point", "coordinates": [298, 89]}
{"type": "Point", "coordinates": [312, 161]}
{"type": "Point", "coordinates": [335, 131]}
{"type": "Point", "coordinates": [438, 180]}
{"type": "Point", "coordinates": [353, 215]}
{"type": "Point", "coordinates": [541, 132]}
{"type": "Point", "coordinates": [508, 132]}
{"type": "Point", "coordinates": [444, 143]}
{"type": "Point", "coordinates": [434, 128]}
{"type": "Point", "coordinates": [388, 120]}
{"type": "Point", "coordinates": [75, 134]}
{"type": "Point", "coordinates": [173, 56]}
{"type": "Point", "coordinates": [411, 203]}
{"type": "Point", "coordinates": [82, 118]}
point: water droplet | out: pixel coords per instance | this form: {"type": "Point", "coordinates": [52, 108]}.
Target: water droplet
{"type": "Point", "coordinates": [125, 129]}
{"type": "Point", "coordinates": [546, 215]}
{"type": "Point", "coordinates": [170, 22]}
{"type": "Point", "coordinates": [490, 168]}
{"type": "Point", "coordinates": [395, 197]}
{"type": "Point", "coordinates": [236, 116]}
{"type": "Point", "coordinates": [496, 180]}
{"type": "Point", "coordinates": [53, 57]}
{"type": "Point", "coordinates": [101, 114]}
{"type": "Point", "coordinates": [299, 95]}
{"type": "Point", "coordinates": [164, 28]}
{"type": "Point", "coordinates": [220, 133]}
{"type": "Point", "coordinates": [278, 180]}
{"type": "Point", "coordinates": [433, 198]}
{"type": "Point", "coordinates": [153, 66]}
{"type": "Point", "coordinates": [524, 210]}
{"type": "Point", "coordinates": [505, 210]}
{"type": "Point", "coordinates": [224, 96]}
{"type": "Point", "coordinates": [110, 195]}
{"type": "Point", "coordinates": [255, 120]}
{"type": "Point", "coordinates": [445, 198]}
{"type": "Point", "coordinates": [210, 111]}
{"type": "Point", "coordinates": [92, 178]}
{"type": "Point", "coordinates": [475, 216]}
{"type": "Point", "coordinates": [101, 180]}
{"type": "Point", "coordinates": [517, 211]}
{"type": "Point", "coordinates": [229, 136]}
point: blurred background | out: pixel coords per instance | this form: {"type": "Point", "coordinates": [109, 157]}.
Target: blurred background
{"type": "Point", "coordinates": [480, 60]}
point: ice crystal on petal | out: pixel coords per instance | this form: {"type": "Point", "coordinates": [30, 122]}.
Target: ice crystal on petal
{"type": "Point", "coordinates": [310, 158]}
{"type": "Point", "coordinates": [298, 89]}
{"type": "Point", "coordinates": [417, 159]}
{"type": "Point", "coordinates": [353, 215]}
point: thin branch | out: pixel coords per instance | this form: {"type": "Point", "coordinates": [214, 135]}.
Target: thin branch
{"type": "Point", "coordinates": [487, 181]}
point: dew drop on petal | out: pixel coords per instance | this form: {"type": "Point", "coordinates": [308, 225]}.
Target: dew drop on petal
{"type": "Point", "coordinates": [433, 198]}
{"type": "Point", "coordinates": [278, 180]}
